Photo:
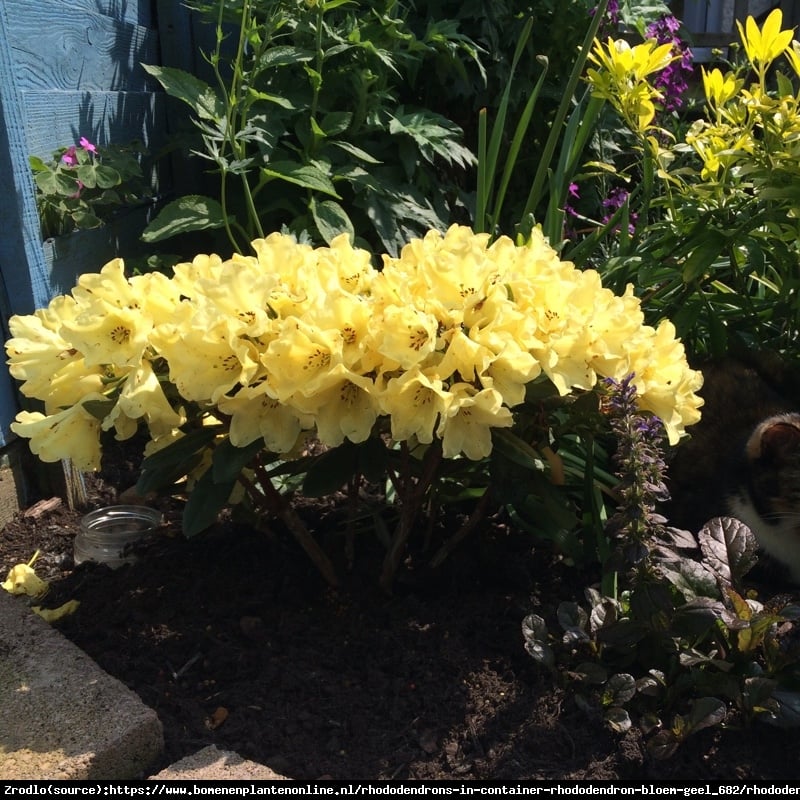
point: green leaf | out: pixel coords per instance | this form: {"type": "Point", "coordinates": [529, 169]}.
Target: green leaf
{"type": "Point", "coordinates": [332, 470]}
{"type": "Point", "coordinates": [663, 745]}
{"type": "Point", "coordinates": [205, 502]}
{"type": "Point", "coordinates": [285, 55]}
{"type": "Point", "coordinates": [787, 712]}
{"type": "Point", "coordinates": [331, 219]}
{"type": "Point", "coordinates": [228, 460]}
{"type": "Point", "coordinates": [703, 256]}
{"type": "Point", "coordinates": [705, 713]}
{"type": "Point", "coordinates": [201, 97]}
{"type": "Point", "coordinates": [620, 688]}
{"type": "Point", "coordinates": [106, 177]}
{"type": "Point", "coordinates": [336, 122]}
{"type": "Point", "coordinates": [99, 409]}
{"type": "Point", "coordinates": [190, 213]}
{"type": "Point", "coordinates": [517, 450]}
{"type": "Point", "coordinates": [372, 459]}
{"type": "Point", "coordinates": [433, 134]}
{"type": "Point", "coordinates": [167, 465]}
{"type": "Point", "coordinates": [65, 185]}
{"type": "Point", "coordinates": [305, 175]}
{"type": "Point", "coordinates": [353, 150]}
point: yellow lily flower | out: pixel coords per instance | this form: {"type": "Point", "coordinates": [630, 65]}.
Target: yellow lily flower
{"type": "Point", "coordinates": [793, 56]}
{"type": "Point", "coordinates": [622, 77]}
{"type": "Point", "coordinates": [625, 62]}
{"type": "Point", "coordinates": [719, 88]}
{"type": "Point", "coordinates": [765, 45]}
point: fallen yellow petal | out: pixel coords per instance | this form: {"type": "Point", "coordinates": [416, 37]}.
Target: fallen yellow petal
{"type": "Point", "coordinates": [22, 579]}
{"type": "Point", "coordinates": [53, 614]}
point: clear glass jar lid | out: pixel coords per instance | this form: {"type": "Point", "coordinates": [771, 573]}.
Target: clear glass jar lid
{"type": "Point", "coordinates": [108, 535]}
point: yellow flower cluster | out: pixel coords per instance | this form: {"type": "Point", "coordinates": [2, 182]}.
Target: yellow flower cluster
{"type": "Point", "coordinates": [622, 75]}
{"type": "Point", "coordinates": [441, 342]}
{"type": "Point", "coordinates": [748, 128]}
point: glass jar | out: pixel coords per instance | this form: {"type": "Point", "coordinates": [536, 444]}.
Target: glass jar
{"type": "Point", "coordinates": [108, 535]}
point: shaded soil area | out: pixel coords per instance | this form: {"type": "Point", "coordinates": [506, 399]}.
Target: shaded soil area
{"type": "Point", "coordinates": [235, 640]}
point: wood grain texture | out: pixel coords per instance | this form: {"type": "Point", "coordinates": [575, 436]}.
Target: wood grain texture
{"type": "Point", "coordinates": [72, 51]}
{"type": "Point", "coordinates": [72, 68]}
{"type": "Point", "coordinates": [58, 119]}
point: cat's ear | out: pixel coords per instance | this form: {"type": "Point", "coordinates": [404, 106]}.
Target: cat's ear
{"type": "Point", "coordinates": [778, 439]}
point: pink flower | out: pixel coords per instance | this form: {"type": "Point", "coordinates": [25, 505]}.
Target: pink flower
{"type": "Point", "coordinates": [69, 157]}
{"type": "Point", "coordinates": [87, 145]}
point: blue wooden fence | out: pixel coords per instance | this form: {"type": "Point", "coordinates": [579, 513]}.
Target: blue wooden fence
{"type": "Point", "coordinates": [72, 68]}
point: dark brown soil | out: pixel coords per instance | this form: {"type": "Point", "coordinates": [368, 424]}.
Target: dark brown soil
{"type": "Point", "coordinates": [235, 640]}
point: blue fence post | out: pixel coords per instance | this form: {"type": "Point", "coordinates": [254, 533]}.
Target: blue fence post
{"type": "Point", "coordinates": [22, 266]}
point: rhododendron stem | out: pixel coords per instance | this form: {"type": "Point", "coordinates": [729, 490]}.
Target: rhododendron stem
{"type": "Point", "coordinates": [408, 514]}
{"type": "Point", "coordinates": [478, 513]}
{"type": "Point", "coordinates": [284, 511]}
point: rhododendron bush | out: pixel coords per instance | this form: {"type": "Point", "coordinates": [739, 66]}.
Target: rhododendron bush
{"type": "Point", "coordinates": [261, 354]}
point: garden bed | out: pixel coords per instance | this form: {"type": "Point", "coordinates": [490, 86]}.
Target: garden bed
{"type": "Point", "coordinates": [235, 640]}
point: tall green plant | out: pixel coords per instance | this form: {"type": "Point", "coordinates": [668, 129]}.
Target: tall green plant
{"type": "Point", "coordinates": [305, 130]}
{"type": "Point", "coordinates": [712, 207]}
{"type": "Point", "coordinates": [570, 130]}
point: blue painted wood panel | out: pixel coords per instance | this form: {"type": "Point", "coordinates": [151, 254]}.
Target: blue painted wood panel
{"type": "Point", "coordinates": [72, 68]}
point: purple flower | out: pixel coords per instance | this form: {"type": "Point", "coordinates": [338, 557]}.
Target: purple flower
{"type": "Point", "coordinates": [611, 18]}
{"type": "Point", "coordinates": [615, 200]}
{"type": "Point", "coordinates": [640, 468]}
{"type": "Point", "coordinates": [87, 145]}
{"type": "Point", "coordinates": [672, 80]}
{"type": "Point", "coordinates": [574, 192]}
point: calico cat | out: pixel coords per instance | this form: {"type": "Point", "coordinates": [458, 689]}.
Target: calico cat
{"type": "Point", "coordinates": [743, 459]}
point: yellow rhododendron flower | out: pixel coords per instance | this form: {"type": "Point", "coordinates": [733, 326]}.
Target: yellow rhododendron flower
{"type": "Point", "coordinates": [22, 579]}
{"type": "Point", "coordinates": [414, 402]}
{"type": "Point", "coordinates": [340, 267]}
{"type": "Point", "coordinates": [54, 614]}
{"type": "Point", "coordinates": [205, 364]}
{"type": "Point", "coordinates": [466, 425]}
{"type": "Point", "coordinates": [255, 415]}
{"type": "Point", "coordinates": [70, 384]}
{"type": "Point", "coordinates": [441, 343]}
{"type": "Point", "coordinates": [72, 433]}
{"type": "Point", "coordinates": [404, 336]}
{"type": "Point", "coordinates": [37, 350]}
{"type": "Point", "coordinates": [142, 396]}
{"type": "Point", "coordinates": [300, 358]}
{"type": "Point", "coordinates": [188, 274]}
{"type": "Point", "coordinates": [105, 334]}
{"type": "Point", "coordinates": [346, 408]}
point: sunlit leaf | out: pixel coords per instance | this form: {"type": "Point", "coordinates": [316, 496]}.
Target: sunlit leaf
{"type": "Point", "coordinates": [728, 547]}
{"type": "Point", "coordinates": [618, 719]}
{"type": "Point", "coordinates": [534, 633]}
{"type": "Point", "coordinates": [201, 97]}
{"type": "Point", "coordinates": [186, 214]}
{"type": "Point", "coordinates": [705, 713]}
